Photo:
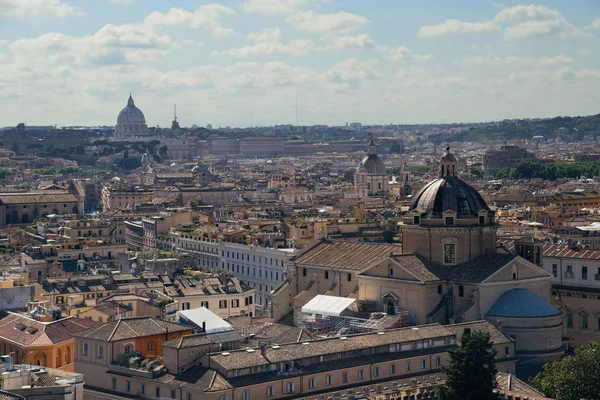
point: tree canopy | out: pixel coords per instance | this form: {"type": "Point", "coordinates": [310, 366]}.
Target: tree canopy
{"type": "Point", "coordinates": [575, 377]}
{"type": "Point", "coordinates": [471, 373]}
{"type": "Point", "coordinates": [548, 171]}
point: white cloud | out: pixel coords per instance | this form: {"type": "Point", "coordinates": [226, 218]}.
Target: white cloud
{"type": "Point", "coordinates": [595, 24]}
{"type": "Point", "coordinates": [34, 8]}
{"type": "Point", "coordinates": [276, 7]}
{"type": "Point", "coordinates": [542, 61]}
{"type": "Point", "coordinates": [405, 53]}
{"type": "Point", "coordinates": [266, 35]}
{"type": "Point", "coordinates": [438, 82]}
{"type": "Point", "coordinates": [205, 17]}
{"type": "Point", "coordinates": [515, 22]}
{"type": "Point", "coordinates": [351, 73]}
{"type": "Point", "coordinates": [585, 52]}
{"type": "Point", "coordinates": [297, 47]}
{"type": "Point", "coordinates": [108, 46]}
{"type": "Point", "coordinates": [123, 2]}
{"type": "Point", "coordinates": [362, 41]}
{"type": "Point", "coordinates": [341, 22]}
{"type": "Point", "coordinates": [453, 26]}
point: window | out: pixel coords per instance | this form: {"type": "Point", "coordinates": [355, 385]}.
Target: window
{"type": "Point", "coordinates": [128, 349]}
{"type": "Point", "coordinates": [329, 380]}
{"type": "Point", "coordinates": [461, 291]}
{"type": "Point", "coordinates": [326, 274]}
{"type": "Point", "coordinates": [583, 321]}
{"type": "Point", "coordinates": [376, 372]}
{"type": "Point", "coordinates": [416, 219]}
{"type": "Point", "coordinates": [392, 369]}
{"type": "Point", "coordinates": [270, 391]}
{"type": "Point", "coordinates": [303, 271]}
{"type": "Point", "coordinates": [204, 304]}
{"type": "Point", "coordinates": [506, 351]}
{"type": "Point", "coordinates": [157, 392]}
{"type": "Point", "coordinates": [100, 352]}
{"type": "Point", "coordinates": [449, 253]}
{"type": "Point", "coordinates": [290, 387]}
{"type": "Point", "coordinates": [142, 389]}
{"type": "Point", "coordinates": [450, 221]}
{"type": "Point", "coordinates": [584, 272]}
{"type": "Point", "coordinates": [554, 270]}
{"type": "Point", "coordinates": [598, 322]}
{"type": "Point", "coordinates": [311, 383]}
{"type": "Point", "coordinates": [113, 383]}
{"type": "Point", "coordinates": [361, 374]}
{"type": "Point", "coordinates": [349, 277]}
{"type": "Point", "coordinates": [569, 319]}
{"type": "Point", "coordinates": [223, 397]}
{"type": "Point", "coordinates": [85, 349]}
{"type": "Point", "coordinates": [438, 361]}
{"type": "Point", "coordinates": [235, 303]}
{"type": "Point", "coordinates": [151, 346]}
{"type": "Point", "coordinates": [481, 220]}
{"type": "Point", "coordinates": [188, 396]}
{"type": "Point", "coordinates": [173, 394]}
{"type": "Point", "coordinates": [222, 303]}
{"type": "Point", "coordinates": [407, 368]}
{"type": "Point", "coordinates": [423, 364]}
{"type": "Point", "coordinates": [345, 374]}
{"type": "Point", "coordinates": [391, 271]}
{"type": "Point", "coordinates": [128, 386]}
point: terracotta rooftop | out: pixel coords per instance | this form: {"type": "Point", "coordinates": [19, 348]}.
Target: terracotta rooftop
{"type": "Point", "coordinates": [346, 255]}
{"type": "Point", "coordinates": [128, 328]}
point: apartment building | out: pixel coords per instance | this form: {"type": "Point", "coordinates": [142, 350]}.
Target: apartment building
{"type": "Point", "coordinates": [262, 268]}
{"type": "Point", "coordinates": [280, 371]}
{"type": "Point", "coordinates": [576, 287]}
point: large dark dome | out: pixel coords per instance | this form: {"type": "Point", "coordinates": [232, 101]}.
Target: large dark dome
{"type": "Point", "coordinates": [449, 193]}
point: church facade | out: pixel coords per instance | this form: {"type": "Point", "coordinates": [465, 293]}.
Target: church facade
{"type": "Point", "coordinates": [371, 177]}
{"type": "Point", "coordinates": [448, 270]}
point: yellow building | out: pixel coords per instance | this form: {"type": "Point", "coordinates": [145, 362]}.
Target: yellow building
{"type": "Point", "coordinates": [42, 341]}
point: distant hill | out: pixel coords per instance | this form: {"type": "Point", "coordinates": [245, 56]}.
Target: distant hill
{"type": "Point", "coordinates": [570, 129]}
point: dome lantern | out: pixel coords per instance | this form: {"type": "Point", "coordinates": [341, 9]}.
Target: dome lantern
{"type": "Point", "coordinates": [447, 164]}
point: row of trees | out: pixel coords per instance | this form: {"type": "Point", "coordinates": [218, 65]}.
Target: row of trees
{"type": "Point", "coordinates": [548, 171]}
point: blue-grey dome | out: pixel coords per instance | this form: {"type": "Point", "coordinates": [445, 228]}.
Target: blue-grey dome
{"type": "Point", "coordinates": [522, 303]}
{"type": "Point", "coordinates": [131, 114]}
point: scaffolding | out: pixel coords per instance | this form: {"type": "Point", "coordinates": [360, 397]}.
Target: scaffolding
{"type": "Point", "coordinates": [330, 316]}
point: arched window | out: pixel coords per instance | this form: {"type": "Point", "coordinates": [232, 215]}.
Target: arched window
{"type": "Point", "coordinates": [583, 320]}
{"type": "Point", "coordinates": [58, 358]}
{"type": "Point", "coordinates": [68, 355]}
{"type": "Point", "coordinates": [128, 349]}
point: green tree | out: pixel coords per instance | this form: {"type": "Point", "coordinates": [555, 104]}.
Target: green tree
{"type": "Point", "coordinates": [574, 377]}
{"type": "Point", "coordinates": [471, 373]}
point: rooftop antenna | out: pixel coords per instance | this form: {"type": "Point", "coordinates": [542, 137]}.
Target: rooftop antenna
{"type": "Point", "coordinates": [175, 111]}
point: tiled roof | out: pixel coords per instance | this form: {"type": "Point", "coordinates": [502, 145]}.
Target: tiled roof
{"type": "Point", "coordinates": [557, 250]}
{"type": "Point", "coordinates": [496, 336]}
{"type": "Point", "coordinates": [275, 332]}
{"type": "Point", "coordinates": [346, 255]}
{"type": "Point", "coordinates": [36, 197]}
{"type": "Point", "coordinates": [293, 351]}
{"type": "Point", "coordinates": [128, 328]}
{"type": "Point", "coordinates": [35, 333]}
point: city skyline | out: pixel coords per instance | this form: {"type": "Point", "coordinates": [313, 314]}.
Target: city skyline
{"type": "Point", "coordinates": [242, 63]}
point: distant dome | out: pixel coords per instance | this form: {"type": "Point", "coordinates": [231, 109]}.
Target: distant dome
{"type": "Point", "coordinates": [372, 164]}
{"type": "Point", "coordinates": [131, 114]}
{"type": "Point", "coordinates": [522, 303]}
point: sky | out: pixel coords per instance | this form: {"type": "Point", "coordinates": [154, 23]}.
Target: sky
{"type": "Point", "coordinates": [246, 63]}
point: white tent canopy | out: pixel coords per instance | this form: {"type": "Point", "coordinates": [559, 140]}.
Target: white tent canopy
{"type": "Point", "coordinates": [213, 322]}
{"type": "Point", "coordinates": [327, 305]}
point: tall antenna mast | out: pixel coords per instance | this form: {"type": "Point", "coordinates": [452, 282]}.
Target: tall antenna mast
{"type": "Point", "coordinates": [175, 111]}
{"type": "Point", "coordinates": [296, 108]}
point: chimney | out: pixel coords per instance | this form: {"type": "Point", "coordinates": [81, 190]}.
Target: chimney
{"type": "Point", "coordinates": [263, 350]}
{"type": "Point", "coordinates": [23, 266]}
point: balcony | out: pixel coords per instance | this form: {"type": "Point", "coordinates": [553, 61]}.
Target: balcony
{"type": "Point", "coordinates": [138, 365]}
